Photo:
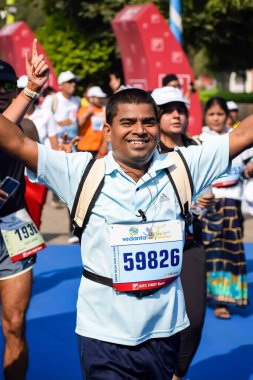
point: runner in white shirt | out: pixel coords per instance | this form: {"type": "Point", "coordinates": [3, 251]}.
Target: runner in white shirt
{"type": "Point", "coordinates": [64, 105]}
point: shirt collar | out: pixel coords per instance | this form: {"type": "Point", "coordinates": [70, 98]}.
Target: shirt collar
{"type": "Point", "coordinates": [159, 162]}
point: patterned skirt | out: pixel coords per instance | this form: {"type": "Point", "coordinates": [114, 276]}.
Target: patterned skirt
{"type": "Point", "coordinates": [223, 240]}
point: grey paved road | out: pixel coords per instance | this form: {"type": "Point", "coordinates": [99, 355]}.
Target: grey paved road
{"type": "Point", "coordinates": [55, 224]}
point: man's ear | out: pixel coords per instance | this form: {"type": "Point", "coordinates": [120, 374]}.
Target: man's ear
{"type": "Point", "coordinates": [107, 132]}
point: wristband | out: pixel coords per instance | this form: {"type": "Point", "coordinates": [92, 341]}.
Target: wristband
{"type": "Point", "coordinates": [31, 94]}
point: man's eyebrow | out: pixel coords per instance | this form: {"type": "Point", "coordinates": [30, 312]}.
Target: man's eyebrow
{"type": "Point", "coordinates": [149, 118]}
{"type": "Point", "coordinates": [146, 119]}
{"type": "Point", "coordinates": [127, 119]}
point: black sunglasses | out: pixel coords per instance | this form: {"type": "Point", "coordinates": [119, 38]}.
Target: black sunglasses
{"type": "Point", "coordinates": [8, 86]}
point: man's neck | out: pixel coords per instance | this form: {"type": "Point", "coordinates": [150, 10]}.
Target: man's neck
{"type": "Point", "coordinates": [65, 95]}
{"type": "Point", "coordinates": [134, 172]}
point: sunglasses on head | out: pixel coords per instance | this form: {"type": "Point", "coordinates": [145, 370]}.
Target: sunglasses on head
{"type": "Point", "coordinates": [8, 86]}
{"type": "Point", "coordinates": [71, 81]}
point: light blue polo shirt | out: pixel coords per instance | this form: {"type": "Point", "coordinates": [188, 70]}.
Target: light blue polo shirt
{"type": "Point", "coordinates": [101, 312]}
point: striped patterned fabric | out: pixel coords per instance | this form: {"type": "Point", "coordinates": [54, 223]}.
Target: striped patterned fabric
{"type": "Point", "coordinates": [223, 241]}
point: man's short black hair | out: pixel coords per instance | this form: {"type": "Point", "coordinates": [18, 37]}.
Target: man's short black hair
{"type": "Point", "coordinates": [128, 96]}
{"type": "Point", "coordinates": [168, 78]}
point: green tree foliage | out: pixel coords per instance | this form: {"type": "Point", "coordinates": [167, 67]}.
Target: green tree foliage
{"type": "Point", "coordinates": [30, 11]}
{"type": "Point", "coordinates": [223, 29]}
{"type": "Point", "coordinates": [69, 49]}
{"type": "Point", "coordinates": [78, 36]}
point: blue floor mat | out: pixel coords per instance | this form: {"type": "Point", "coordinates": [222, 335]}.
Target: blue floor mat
{"type": "Point", "coordinates": [225, 352]}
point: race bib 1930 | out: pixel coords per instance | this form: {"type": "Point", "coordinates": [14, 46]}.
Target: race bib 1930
{"type": "Point", "coordinates": [146, 256]}
{"type": "Point", "coordinates": [21, 236]}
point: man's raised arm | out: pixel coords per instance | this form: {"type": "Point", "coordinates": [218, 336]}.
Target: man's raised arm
{"type": "Point", "coordinates": [241, 138]}
{"type": "Point", "coordinates": [12, 139]}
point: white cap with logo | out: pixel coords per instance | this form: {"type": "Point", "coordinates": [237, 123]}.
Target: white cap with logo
{"type": "Point", "coordinates": [168, 94]}
{"type": "Point", "coordinates": [232, 106]}
{"type": "Point", "coordinates": [96, 91]}
{"type": "Point", "coordinates": [22, 81]}
{"type": "Point", "coordinates": [66, 76]}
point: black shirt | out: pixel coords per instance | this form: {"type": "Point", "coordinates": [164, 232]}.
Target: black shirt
{"type": "Point", "coordinates": [11, 167]}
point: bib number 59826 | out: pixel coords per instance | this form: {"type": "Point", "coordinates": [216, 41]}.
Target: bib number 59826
{"type": "Point", "coordinates": [151, 259]}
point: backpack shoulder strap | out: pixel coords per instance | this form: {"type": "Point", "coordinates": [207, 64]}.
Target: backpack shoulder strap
{"type": "Point", "coordinates": [181, 180]}
{"type": "Point", "coordinates": [197, 140]}
{"type": "Point", "coordinates": [54, 103]}
{"type": "Point", "coordinates": [88, 191]}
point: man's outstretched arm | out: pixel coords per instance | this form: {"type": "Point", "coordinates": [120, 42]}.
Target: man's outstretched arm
{"type": "Point", "coordinates": [241, 138]}
{"type": "Point", "coordinates": [12, 139]}
{"type": "Point", "coordinates": [14, 142]}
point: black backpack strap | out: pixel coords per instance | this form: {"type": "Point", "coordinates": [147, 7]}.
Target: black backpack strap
{"type": "Point", "coordinates": [181, 181]}
{"type": "Point", "coordinates": [97, 278]}
{"type": "Point", "coordinates": [88, 191]}
{"type": "Point", "coordinates": [108, 282]}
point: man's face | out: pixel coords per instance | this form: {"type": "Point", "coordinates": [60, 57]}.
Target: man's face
{"type": "Point", "coordinates": [234, 115]}
{"type": "Point", "coordinates": [8, 91]}
{"type": "Point", "coordinates": [97, 102]}
{"type": "Point", "coordinates": [69, 87]}
{"type": "Point", "coordinates": [134, 134]}
{"type": "Point", "coordinates": [175, 83]}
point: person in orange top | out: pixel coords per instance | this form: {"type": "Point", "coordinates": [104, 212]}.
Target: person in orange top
{"type": "Point", "coordinates": [91, 119]}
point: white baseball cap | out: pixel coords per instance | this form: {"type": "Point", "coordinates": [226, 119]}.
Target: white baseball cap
{"type": "Point", "coordinates": [168, 94]}
{"type": "Point", "coordinates": [65, 76]}
{"type": "Point", "coordinates": [22, 81]}
{"type": "Point", "coordinates": [232, 105]}
{"type": "Point", "coordinates": [96, 91]}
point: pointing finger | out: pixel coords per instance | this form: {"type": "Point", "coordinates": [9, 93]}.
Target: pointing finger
{"type": "Point", "coordinates": [34, 48]}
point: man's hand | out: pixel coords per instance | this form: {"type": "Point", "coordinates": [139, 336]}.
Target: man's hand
{"type": "Point", "coordinates": [248, 170]}
{"type": "Point", "coordinates": [205, 201]}
{"type": "Point", "coordinates": [3, 196]}
{"type": "Point", "coordinates": [36, 68]}
{"type": "Point", "coordinates": [67, 143]}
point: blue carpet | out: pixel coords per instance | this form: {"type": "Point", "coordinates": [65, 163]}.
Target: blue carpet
{"type": "Point", "coordinates": [226, 350]}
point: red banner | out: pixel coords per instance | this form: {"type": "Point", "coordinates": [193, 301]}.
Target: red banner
{"type": "Point", "coordinates": [149, 51]}
{"type": "Point", "coordinates": [15, 41]}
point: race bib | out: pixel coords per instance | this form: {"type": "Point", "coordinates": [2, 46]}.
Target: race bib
{"type": "Point", "coordinates": [97, 122]}
{"type": "Point", "coordinates": [146, 256]}
{"type": "Point", "coordinates": [21, 236]}
{"type": "Point", "coordinates": [71, 130]}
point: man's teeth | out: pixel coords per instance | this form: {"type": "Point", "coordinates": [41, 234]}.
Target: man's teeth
{"type": "Point", "coordinates": [137, 142]}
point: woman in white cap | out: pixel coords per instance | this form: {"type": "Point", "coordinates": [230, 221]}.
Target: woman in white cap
{"type": "Point", "coordinates": [173, 115]}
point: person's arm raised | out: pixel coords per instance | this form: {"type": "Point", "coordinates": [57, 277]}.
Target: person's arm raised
{"type": "Point", "coordinates": [12, 139]}
{"type": "Point", "coordinates": [37, 72]}
{"type": "Point", "coordinates": [241, 138]}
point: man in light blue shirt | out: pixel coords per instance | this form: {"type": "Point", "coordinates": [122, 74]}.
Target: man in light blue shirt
{"type": "Point", "coordinates": [120, 334]}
